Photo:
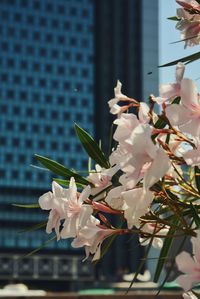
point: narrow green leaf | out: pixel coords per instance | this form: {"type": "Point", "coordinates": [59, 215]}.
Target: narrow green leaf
{"type": "Point", "coordinates": [91, 147]}
{"type": "Point", "coordinates": [195, 215]}
{"type": "Point", "coordinates": [160, 124]}
{"type": "Point", "coordinates": [28, 206]}
{"type": "Point", "coordinates": [33, 227]}
{"type": "Point", "coordinates": [61, 170]}
{"type": "Point", "coordinates": [174, 18]}
{"type": "Point", "coordinates": [197, 177]}
{"type": "Point", "coordinates": [66, 183]}
{"type": "Point", "coordinates": [179, 249]}
{"type": "Point", "coordinates": [141, 264]}
{"type": "Point", "coordinates": [164, 252]}
{"type": "Point", "coordinates": [39, 248]}
{"type": "Point", "coordinates": [184, 39]}
{"type": "Point", "coordinates": [188, 59]}
{"type": "Point", "coordinates": [176, 100]}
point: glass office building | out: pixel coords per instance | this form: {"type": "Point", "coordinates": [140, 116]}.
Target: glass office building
{"type": "Point", "coordinates": [46, 73]}
{"type": "Point", "coordinates": [59, 62]}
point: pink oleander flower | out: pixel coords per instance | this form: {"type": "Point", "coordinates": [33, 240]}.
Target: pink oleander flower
{"type": "Point", "coordinates": [169, 91]}
{"type": "Point", "coordinates": [189, 23]}
{"type": "Point", "coordinates": [145, 160]}
{"type": "Point", "coordinates": [189, 4]}
{"type": "Point", "coordinates": [136, 204]}
{"type": "Point", "coordinates": [190, 266]}
{"type": "Point", "coordinates": [186, 115]}
{"type": "Point", "coordinates": [119, 96]}
{"type": "Point", "coordinates": [91, 237]}
{"type": "Point", "coordinates": [66, 205]}
{"type": "Point", "coordinates": [101, 178]}
{"type": "Point", "coordinates": [127, 122]}
{"type": "Point", "coordinates": [54, 202]}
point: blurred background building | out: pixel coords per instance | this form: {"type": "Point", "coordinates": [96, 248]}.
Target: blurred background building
{"type": "Point", "coordinates": [59, 63]}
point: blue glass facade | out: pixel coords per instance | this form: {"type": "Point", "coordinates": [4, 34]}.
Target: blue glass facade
{"type": "Point", "coordinates": [46, 74]}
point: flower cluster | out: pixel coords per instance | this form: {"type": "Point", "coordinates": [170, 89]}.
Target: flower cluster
{"type": "Point", "coordinates": [150, 179]}
{"type": "Point", "coordinates": [189, 21]}
{"type": "Point", "coordinates": [142, 181]}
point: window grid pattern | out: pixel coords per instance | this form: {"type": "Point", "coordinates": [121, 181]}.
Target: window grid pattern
{"type": "Point", "coordinates": [46, 75]}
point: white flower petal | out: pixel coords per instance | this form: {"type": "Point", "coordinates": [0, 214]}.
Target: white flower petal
{"type": "Point", "coordinates": [157, 170]}
{"type": "Point", "coordinates": [189, 93]}
{"type": "Point", "coordinates": [180, 69]}
{"type": "Point", "coordinates": [177, 114]}
{"type": "Point", "coordinates": [46, 201]}
{"type": "Point", "coordinates": [185, 263]}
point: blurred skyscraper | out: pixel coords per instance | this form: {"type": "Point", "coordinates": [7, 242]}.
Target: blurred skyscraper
{"type": "Point", "coordinates": [59, 62]}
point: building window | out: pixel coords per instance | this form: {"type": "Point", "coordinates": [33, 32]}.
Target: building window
{"type": "Point", "coordinates": [9, 157]}
{"type": "Point", "coordinates": [15, 142]}
{"type": "Point", "coordinates": [29, 143]}
{"type": "Point", "coordinates": [41, 144]}
{"type": "Point", "coordinates": [15, 174]}
{"type": "Point", "coordinates": [10, 125]}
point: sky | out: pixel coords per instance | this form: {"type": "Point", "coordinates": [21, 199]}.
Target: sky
{"type": "Point", "coordinates": [169, 52]}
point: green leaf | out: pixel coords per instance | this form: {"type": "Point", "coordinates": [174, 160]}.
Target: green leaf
{"type": "Point", "coordinates": [176, 100]}
{"type": "Point", "coordinates": [91, 147]}
{"type": "Point", "coordinates": [59, 169]}
{"type": "Point", "coordinates": [184, 39]}
{"type": "Point", "coordinates": [28, 206]}
{"type": "Point", "coordinates": [197, 177]}
{"type": "Point", "coordinates": [173, 18]}
{"type": "Point", "coordinates": [160, 123]}
{"type": "Point", "coordinates": [187, 59]}
{"type": "Point", "coordinates": [195, 215]}
{"type": "Point", "coordinates": [141, 264]}
{"type": "Point", "coordinates": [164, 251]}
{"type": "Point", "coordinates": [33, 227]}
{"type": "Point", "coordinates": [66, 183]}
{"type": "Point", "coordinates": [39, 248]}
